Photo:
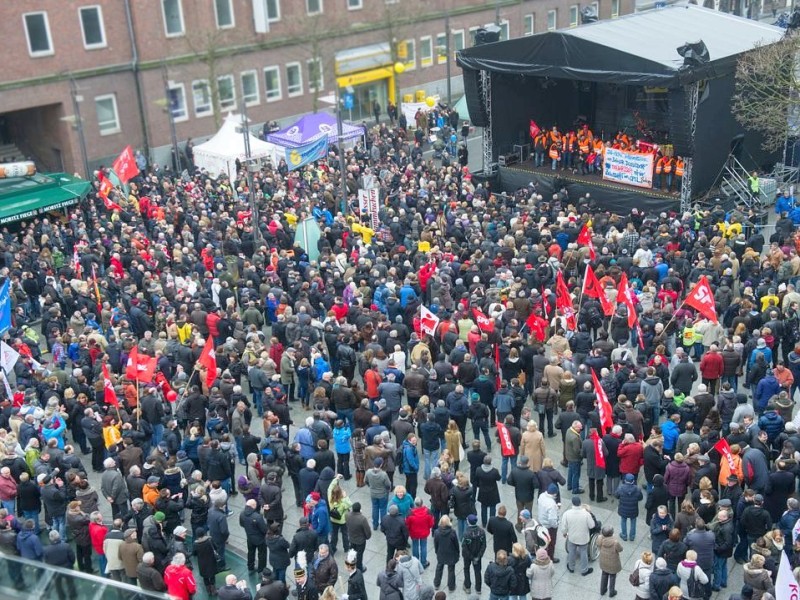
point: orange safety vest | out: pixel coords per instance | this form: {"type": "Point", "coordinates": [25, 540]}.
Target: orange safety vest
{"type": "Point", "coordinates": [555, 138]}
{"type": "Point", "coordinates": [599, 146]}
{"type": "Point", "coordinates": [668, 166]}
{"type": "Point", "coordinates": [554, 152]}
{"type": "Point", "coordinates": [583, 144]}
{"type": "Point", "coordinates": [679, 168]}
{"type": "Point", "coordinates": [541, 141]}
{"type": "Point", "coordinates": [659, 165]}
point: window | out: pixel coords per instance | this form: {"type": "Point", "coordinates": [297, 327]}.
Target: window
{"type": "Point", "coordinates": [177, 101]}
{"type": "Point", "coordinates": [441, 48]}
{"type": "Point", "coordinates": [223, 9]}
{"type": "Point", "coordinates": [458, 40]}
{"type": "Point", "coordinates": [574, 15]}
{"type": "Point", "coordinates": [552, 20]}
{"type": "Point", "coordinates": [315, 79]}
{"type": "Point", "coordinates": [294, 79]}
{"type": "Point", "coordinates": [407, 53]}
{"type": "Point", "coordinates": [426, 51]}
{"type": "Point", "coordinates": [173, 17]}
{"type": "Point", "coordinates": [472, 32]}
{"type": "Point", "coordinates": [596, 8]}
{"type": "Point", "coordinates": [226, 90]}
{"type": "Point", "coordinates": [250, 88]}
{"type": "Point", "coordinates": [313, 7]}
{"type": "Point", "coordinates": [504, 31]}
{"type": "Point", "coordinates": [37, 30]}
{"type": "Point", "coordinates": [530, 28]}
{"type": "Point", "coordinates": [94, 34]}
{"type": "Point", "coordinates": [201, 93]}
{"type": "Point", "coordinates": [355, 4]}
{"type": "Point", "coordinates": [264, 13]}
{"type": "Point", "coordinates": [272, 83]}
{"type": "Point", "coordinates": [614, 9]}
{"type": "Point", "coordinates": [107, 117]}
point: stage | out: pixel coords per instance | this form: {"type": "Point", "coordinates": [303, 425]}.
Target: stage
{"type": "Point", "coordinates": [615, 197]}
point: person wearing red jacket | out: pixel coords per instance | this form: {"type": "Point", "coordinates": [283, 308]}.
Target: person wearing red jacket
{"type": "Point", "coordinates": [631, 456]}
{"type": "Point", "coordinates": [97, 534]}
{"type": "Point", "coordinates": [212, 322]}
{"type": "Point", "coordinates": [179, 579]}
{"type": "Point", "coordinates": [711, 368]}
{"type": "Point", "coordinates": [420, 523]}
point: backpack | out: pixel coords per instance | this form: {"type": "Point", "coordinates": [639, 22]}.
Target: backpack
{"type": "Point", "coordinates": [474, 544]}
{"type": "Point", "coordinates": [400, 460]}
{"type": "Point", "coordinates": [694, 588]}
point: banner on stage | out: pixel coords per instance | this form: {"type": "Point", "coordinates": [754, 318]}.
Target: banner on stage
{"type": "Point", "coordinates": [630, 168]}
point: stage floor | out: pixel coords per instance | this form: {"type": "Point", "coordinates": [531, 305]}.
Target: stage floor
{"type": "Point", "coordinates": [615, 197]}
{"type": "Point", "coordinates": [593, 180]}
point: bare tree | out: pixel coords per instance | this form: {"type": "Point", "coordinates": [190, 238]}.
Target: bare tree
{"type": "Point", "coordinates": [207, 46]}
{"type": "Point", "coordinates": [767, 86]}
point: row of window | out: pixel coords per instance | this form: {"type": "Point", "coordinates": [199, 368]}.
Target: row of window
{"type": "Point", "coordinates": [40, 42]}
{"type": "Point", "coordinates": [249, 87]}
{"type": "Point", "coordinates": [529, 24]}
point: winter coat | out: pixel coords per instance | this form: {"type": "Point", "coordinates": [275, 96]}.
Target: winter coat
{"type": "Point", "coordinates": [593, 471]}
{"type": "Point", "coordinates": [702, 542]}
{"type": "Point", "coordinates": [410, 570]}
{"type": "Point", "coordinates": [59, 555]}
{"type": "Point", "coordinates": [759, 580]}
{"type": "Point", "coordinates": [149, 578]}
{"type": "Point", "coordinates": [684, 571]}
{"type": "Point", "coordinates": [395, 530]}
{"type": "Point", "coordinates": [660, 582]}
{"type": "Point", "coordinates": [645, 570]}
{"type": "Point", "coordinates": [522, 584]}
{"type": "Point", "coordinates": [673, 552]}
{"type": "Point", "coordinates": [540, 577]}
{"type": "Point", "coordinates": [29, 546]}
{"type": "Point", "coordinates": [677, 478]}
{"type": "Point", "coordinates": [420, 523]}
{"type": "Point", "coordinates": [532, 446]}
{"type": "Point", "coordinates": [486, 482]}
{"type": "Point", "coordinates": [631, 458]}
{"type": "Point", "coordinates": [500, 579]}
{"type": "Point", "coordinates": [610, 548]}
{"type": "Point", "coordinates": [391, 585]}
{"type": "Point", "coordinates": [654, 463]}
{"type": "Point", "coordinates": [629, 495]}
{"type": "Point", "coordinates": [446, 546]}
{"type": "Point", "coordinates": [463, 501]}
{"type": "Point", "coordinates": [523, 481]}
{"type": "Point", "coordinates": [78, 528]}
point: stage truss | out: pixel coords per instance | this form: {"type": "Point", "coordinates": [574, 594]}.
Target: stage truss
{"type": "Point", "coordinates": [489, 165]}
{"type": "Point", "coordinates": [693, 95]}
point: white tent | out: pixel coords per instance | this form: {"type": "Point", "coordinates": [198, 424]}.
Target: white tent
{"type": "Point", "coordinates": [219, 154]}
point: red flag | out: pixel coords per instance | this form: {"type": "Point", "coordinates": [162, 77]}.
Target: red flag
{"type": "Point", "coordinates": [533, 129]}
{"type": "Point", "coordinates": [108, 388]}
{"type": "Point", "coordinates": [140, 366]}
{"type": "Point", "coordinates": [585, 239]}
{"type": "Point", "coordinates": [593, 289]}
{"type": "Point", "coordinates": [427, 321]}
{"type": "Point", "coordinates": [125, 165]}
{"type": "Point", "coordinates": [724, 449]}
{"type": "Point", "coordinates": [506, 446]}
{"type": "Point", "coordinates": [599, 455]}
{"type": "Point", "coordinates": [105, 189]}
{"type": "Point", "coordinates": [701, 298]}
{"type": "Point", "coordinates": [208, 359]}
{"type": "Point", "coordinates": [625, 296]}
{"type": "Point", "coordinates": [484, 322]}
{"type": "Point", "coordinates": [564, 302]}
{"type": "Point", "coordinates": [603, 405]}
{"type": "Point", "coordinates": [538, 326]}
{"type": "Point", "coordinates": [161, 381]}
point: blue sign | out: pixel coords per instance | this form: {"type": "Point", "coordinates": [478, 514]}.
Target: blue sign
{"type": "Point", "coordinates": [295, 158]}
{"type": "Point", "coordinates": [347, 101]}
{"type": "Point", "coordinates": [5, 308]}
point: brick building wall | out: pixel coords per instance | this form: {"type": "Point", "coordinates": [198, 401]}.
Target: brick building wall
{"type": "Point", "coordinates": [186, 41]}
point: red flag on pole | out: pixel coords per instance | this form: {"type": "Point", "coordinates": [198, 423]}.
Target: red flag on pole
{"type": "Point", "coordinates": [564, 302]}
{"type": "Point", "coordinates": [125, 166]}
{"type": "Point", "coordinates": [724, 448]}
{"type": "Point", "coordinates": [140, 366]}
{"type": "Point", "coordinates": [428, 322]}
{"type": "Point", "coordinates": [533, 129]}
{"type": "Point", "coordinates": [603, 405]}
{"type": "Point", "coordinates": [599, 454]}
{"type": "Point", "coordinates": [506, 445]}
{"type": "Point", "coordinates": [110, 396]}
{"type": "Point", "coordinates": [484, 322]}
{"type": "Point", "coordinates": [538, 326]}
{"type": "Point", "coordinates": [585, 239]}
{"type": "Point", "coordinates": [593, 289]}
{"type": "Point", "coordinates": [625, 296]}
{"type": "Point", "coordinates": [701, 298]}
{"type": "Point", "coordinates": [105, 189]}
{"type": "Point", "coordinates": [208, 359]}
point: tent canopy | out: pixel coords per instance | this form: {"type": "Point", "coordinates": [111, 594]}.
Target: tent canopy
{"type": "Point", "coordinates": [310, 127]}
{"type": "Point", "coordinates": [26, 197]}
{"type": "Point", "coordinates": [612, 50]}
{"type": "Point", "coordinates": [219, 154]}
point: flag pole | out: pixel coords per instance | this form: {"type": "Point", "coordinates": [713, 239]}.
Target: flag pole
{"type": "Point", "coordinates": [138, 408]}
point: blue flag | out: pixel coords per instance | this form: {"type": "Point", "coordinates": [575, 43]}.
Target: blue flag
{"type": "Point", "coordinates": [5, 308]}
{"type": "Point", "coordinates": [308, 153]}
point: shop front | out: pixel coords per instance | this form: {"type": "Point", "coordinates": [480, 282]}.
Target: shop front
{"type": "Point", "coordinates": [365, 76]}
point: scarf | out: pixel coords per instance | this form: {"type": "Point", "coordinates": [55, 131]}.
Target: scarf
{"type": "Point", "coordinates": [599, 454]}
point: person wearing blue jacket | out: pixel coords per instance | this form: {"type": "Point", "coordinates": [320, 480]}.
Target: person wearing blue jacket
{"type": "Point", "coordinates": [320, 521]}
{"type": "Point", "coordinates": [28, 543]}
{"type": "Point", "coordinates": [410, 464]}
{"type": "Point", "coordinates": [766, 389]}
{"type": "Point", "coordinates": [670, 431]}
{"type": "Point", "coordinates": [54, 428]}
{"type": "Point", "coordinates": [503, 402]}
{"type": "Point", "coordinates": [341, 441]}
{"type": "Point", "coordinates": [629, 495]}
{"type": "Point", "coordinates": [407, 294]}
{"type": "Point", "coordinates": [784, 203]}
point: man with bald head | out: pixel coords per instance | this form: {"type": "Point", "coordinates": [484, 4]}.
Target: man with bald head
{"type": "Point", "coordinates": [255, 529]}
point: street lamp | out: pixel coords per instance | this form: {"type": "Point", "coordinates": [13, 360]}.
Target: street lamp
{"type": "Point", "coordinates": [172, 130]}
{"type": "Point", "coordinates": [250, 168]}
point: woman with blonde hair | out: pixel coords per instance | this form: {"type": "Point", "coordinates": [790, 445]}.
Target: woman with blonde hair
{"type": "Point", "coordinates": [454, 442]}
{"type": "Point", "coordinates": [643, 569]}
{"type": "Point", "coordinates": [462, 499]}
{"type": "Point", "coordinates": [448, 550]}
{"type": "Point", "coordinates": [532, 446]}
{"type": "Point", "coordinates": [520, 561]}
{"type": "Point", "coordinates": [757, 577]}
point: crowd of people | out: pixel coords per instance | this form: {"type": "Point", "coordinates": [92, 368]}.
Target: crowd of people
{"type": "Point", "coordinates": [400, 351]}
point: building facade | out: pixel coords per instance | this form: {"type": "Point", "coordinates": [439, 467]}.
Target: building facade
{"type": "Point", "coordinates": [83, 79]}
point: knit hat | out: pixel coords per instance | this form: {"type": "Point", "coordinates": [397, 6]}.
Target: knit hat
{"type": "Point", "coordinates": [472, 519]}
{"type": "Point", "coordinates": [541, 554]}
{"type": "Point", "coordinates": [552, 489]}
{"type": "Point", "coordinates": [525, 514]}
{"type": "Point", "coordinates": [661, 563]}
{"type": "Point", "coordinates": [159, 517]}
{"type": "Point", "coordinates": [378, 462]}
{"type": "Point", "coordinates": [629, 478]}
{"type": "Point", "coordinates": [576, 501]}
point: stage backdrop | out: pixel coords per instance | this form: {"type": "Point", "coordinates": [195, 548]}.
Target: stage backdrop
{"type": "Point", "coordinates": [631, 168]}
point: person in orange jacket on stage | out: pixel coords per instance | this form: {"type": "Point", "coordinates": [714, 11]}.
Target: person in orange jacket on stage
{"type": "Point", "coordinates": [539, 149]}
{"type": "Point", "coordinates": [669, 168]}
{"type": "Point", "coordinates": [680, 166]}
{"type": "Point", "coordinates": [555, 155]}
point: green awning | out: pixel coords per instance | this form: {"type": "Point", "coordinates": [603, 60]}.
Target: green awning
{"type": "Point", "coordinates": [27, 197]}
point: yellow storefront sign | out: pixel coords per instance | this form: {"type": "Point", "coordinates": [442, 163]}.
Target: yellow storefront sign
{"type": "Point", "coordinates": [355, 79]}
